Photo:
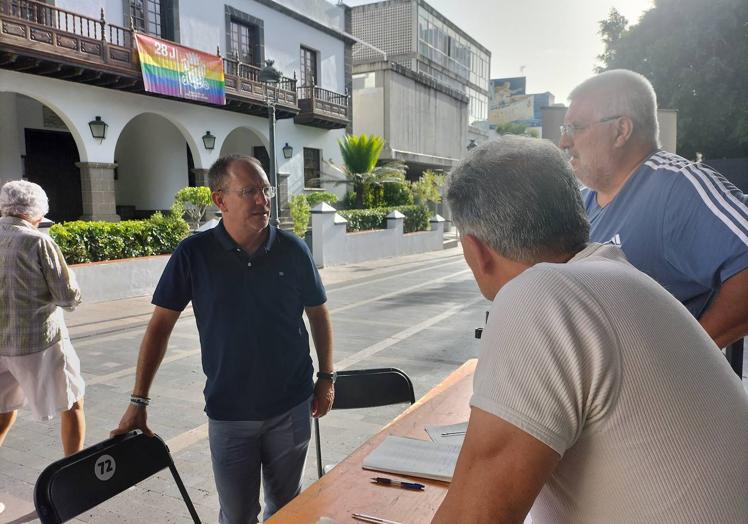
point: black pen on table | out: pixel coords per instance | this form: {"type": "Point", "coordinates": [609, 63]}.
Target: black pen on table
{"type": "Point", "coordinates": [415, 486]}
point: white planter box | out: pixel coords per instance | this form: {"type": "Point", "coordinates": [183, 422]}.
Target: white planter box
{"type": "Point", "coordinates": [116, 279]}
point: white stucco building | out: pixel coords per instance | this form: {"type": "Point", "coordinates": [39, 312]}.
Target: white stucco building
{"type": "Point", "coordinates": [67, 62]}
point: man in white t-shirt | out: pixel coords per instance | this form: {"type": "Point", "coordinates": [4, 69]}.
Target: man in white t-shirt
{"type": "Point", "coordinates": [594, 398]}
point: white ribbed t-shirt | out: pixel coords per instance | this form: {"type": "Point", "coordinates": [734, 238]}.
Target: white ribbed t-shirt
{"type": "Point", "coordinates": [600, 363]}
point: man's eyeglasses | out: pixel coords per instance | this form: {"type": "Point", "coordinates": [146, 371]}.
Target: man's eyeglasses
{"type": "Point", "coordinates": [253, 192]}
{"type": "Point", "coordinates": [571, 129]}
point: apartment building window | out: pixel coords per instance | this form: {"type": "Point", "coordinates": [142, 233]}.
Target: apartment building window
{"type": "Point", "coordinates": [312, 167]}
{"type": "Point", "coordinates": [244, 37]}
{"type": "Point", "coordinates": [308, 67]}
{"type": "Point", "coordinates": [155, 17]}
{"type": "Point", "coordinates": [244, 42]}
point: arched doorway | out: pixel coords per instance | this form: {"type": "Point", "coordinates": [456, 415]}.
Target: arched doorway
{"type": "Point", "coordinates": [153, 162]}
{"type": "Point", "coordinates": [246, 141]}
{"type": "Point", "coordinates": [40, 148]}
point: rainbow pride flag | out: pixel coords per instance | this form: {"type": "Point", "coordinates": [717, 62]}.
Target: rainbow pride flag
{"type": "Point", "coordinates": [174, 70]}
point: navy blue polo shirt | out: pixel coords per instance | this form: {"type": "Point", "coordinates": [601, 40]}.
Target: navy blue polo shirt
{"type": "Point", "coordinates": [248, 309]}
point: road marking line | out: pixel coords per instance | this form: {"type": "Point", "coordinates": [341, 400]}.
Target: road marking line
{"type": "Point", "coordinates": [401, 274]}
{"type": "Point", "coordinates": [100, 379]}
{"type": "Point", "coordinates": [188, 438]}
{"type": "Point", "coordinates": [402, 335]}
{"type": "Point", "coordinates": [398, 292]}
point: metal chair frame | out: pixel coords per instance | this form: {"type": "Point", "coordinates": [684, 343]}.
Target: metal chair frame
{"type": "Point", "coordinates": [68, 487]}
{"type": "Point", "coordinates": [367, 388]}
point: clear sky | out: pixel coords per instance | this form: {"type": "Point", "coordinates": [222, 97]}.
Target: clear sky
{"type": "Point", "coordinates": [554, 43]}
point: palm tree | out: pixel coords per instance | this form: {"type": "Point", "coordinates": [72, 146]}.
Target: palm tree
{"type": "Point", "coordinates": [360, 155]}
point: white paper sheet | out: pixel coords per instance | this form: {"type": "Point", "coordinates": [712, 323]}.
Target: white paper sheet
{"type": "Point", "coordinates": [452, 434]}
{"type": "Point", "coordinates": [417, 458]}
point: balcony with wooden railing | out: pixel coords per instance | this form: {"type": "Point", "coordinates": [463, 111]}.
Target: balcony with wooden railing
{"type": "Point", "coordinates": [322, 108]}
{"type": "Point", "coordinates": [41, 39]}
{"type": "Point", "coordinates": [247, 94]}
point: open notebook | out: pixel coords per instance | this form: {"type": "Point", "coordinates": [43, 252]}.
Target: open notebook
{"type": "Point", "coordinates": [413, 457]}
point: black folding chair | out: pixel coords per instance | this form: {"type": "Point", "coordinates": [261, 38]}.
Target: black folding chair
{"type": "Point", "coordinates": [77, 483]}
{"type": "Point", "coordinates": [367, 388]}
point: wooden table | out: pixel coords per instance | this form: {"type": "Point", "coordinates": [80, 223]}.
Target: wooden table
{"type": "Point", "coordinates": [347, 488]}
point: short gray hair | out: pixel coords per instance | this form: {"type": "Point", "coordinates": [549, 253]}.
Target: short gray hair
{"type": "Point", "coordinates": [519, 196]}
{"type": "Point", "coordinates": [20, 198]}
{"type": "Point", "coordinates": [220, 169]}
{"type": "Point", "coordinates": [625, 93]}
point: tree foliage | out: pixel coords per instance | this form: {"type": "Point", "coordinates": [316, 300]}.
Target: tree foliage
{"type": "Point", "coordinates": [695, 53]}
{"type": "Point", "coordinates": [195, 201]}
{"type": "Point", "coordinates": [360, 156]}
{"type": "Point", "coordinates": [300, 213]}
{"type": "Point", "coordinates": [515, 128]}
{"type": "Point", "coordinates": [427, 189]}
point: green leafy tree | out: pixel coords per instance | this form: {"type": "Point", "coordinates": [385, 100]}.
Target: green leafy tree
{"type": "Point", "coordinates": [360, 156]}
{"type": "Point", "coordinates": [611, 31]}
{"type": "Point", "coordinates": [300, 213]}
{"type": "Point", "coordinates": [427, 189]}
{"type": "Point", "coordinates": [695, 53]}
{"type": "Point", "coordinates": [515, 128]}
{"type": "Point", "coordinates": [195, 200]}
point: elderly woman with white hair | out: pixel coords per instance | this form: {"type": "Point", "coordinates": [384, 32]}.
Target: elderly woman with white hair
{"type": "Point", "coordinates": [38, 364]}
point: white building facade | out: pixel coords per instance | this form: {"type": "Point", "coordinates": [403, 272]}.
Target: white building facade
{"type": "Point", "coordinates": [64, 65]}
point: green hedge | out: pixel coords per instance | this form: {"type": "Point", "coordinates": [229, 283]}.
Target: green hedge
{"type": "Point", "coordinates": [95, 241]}
{"type": "Point", "coordinates": [386, 195]}
{"type": "Point", "coordinates": [416, 218]}
{"type": "Point", "coordinates": [317, 197]}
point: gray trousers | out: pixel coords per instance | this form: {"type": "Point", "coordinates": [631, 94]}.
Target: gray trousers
{"type": "Point", "coordinates": [241, 450]}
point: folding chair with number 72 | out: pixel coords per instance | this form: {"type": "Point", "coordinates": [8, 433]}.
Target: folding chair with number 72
{"type": "Point", "coordinates": [77, 483]}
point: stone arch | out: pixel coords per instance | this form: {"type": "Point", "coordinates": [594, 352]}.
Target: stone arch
{"type": "Point", "coordinates": [248, 141]}
{"type": "Point", "coordinates": [42, 143]}
{"type": "Point", "coordinates": [77, 134]}
{"type": "Point", "coordinates": [154, 154]}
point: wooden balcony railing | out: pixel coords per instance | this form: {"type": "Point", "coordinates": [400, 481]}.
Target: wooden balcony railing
{"type": "Point", "coordinates": [39, 32]}
{"type": "Point", "coordinates": [322, 108]}
{"type": "Point", "coordinates": [244, 79]}
{"type": "Point", "coordinates": [51, 16]}
{"type": "Point", "coordinates": [38, 38]}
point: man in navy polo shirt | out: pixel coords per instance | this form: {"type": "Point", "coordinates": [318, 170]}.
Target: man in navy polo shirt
{"type": "Point", "coordinates": [249, 284]}
{"type": "Point", "coordinates": [680, 222]}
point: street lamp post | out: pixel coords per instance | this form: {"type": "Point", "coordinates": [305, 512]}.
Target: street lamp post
{"type": "Point", "coordinates": [270, 76]}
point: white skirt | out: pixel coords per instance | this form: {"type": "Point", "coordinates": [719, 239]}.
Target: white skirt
{"type": "Point", "coordinates": [48, 381]}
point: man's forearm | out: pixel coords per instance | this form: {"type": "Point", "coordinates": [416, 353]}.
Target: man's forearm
{"type": "Point", "coordinates": [321, 327]}
{"type": "Point", "coordinates": [153, 348]}
{"type": "Point", "coordinates": [726, 319]}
